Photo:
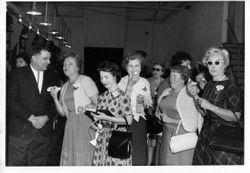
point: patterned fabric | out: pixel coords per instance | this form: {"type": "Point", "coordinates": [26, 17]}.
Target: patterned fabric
{"type": "Point", "coordinates": [223, 94]}
{"type": "Point", "coordinates": [118, 106]}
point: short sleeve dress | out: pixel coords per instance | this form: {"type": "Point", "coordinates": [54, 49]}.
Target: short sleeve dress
{"type": "Point", "coordinates": [223, 94]}
{"type": "Point", "coordinates": [118, 105]}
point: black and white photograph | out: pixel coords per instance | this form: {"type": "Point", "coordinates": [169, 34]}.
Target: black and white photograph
{"type": "Point", "coordinates": [124, 85]}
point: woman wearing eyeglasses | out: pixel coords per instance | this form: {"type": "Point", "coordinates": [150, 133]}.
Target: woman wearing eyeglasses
{"type": "Point", "coordinates": [220, 100]}
{"type": "Point", "coordinates": [156, 79]}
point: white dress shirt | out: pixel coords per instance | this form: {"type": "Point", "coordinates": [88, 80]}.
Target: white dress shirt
{"type": "Point", "coordinates": [40, 82]}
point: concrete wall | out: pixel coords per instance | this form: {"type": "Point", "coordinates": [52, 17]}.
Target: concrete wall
{"type": "Point", "coordinates": [192, 30]}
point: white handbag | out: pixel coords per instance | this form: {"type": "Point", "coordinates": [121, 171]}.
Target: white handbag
{"type": "Point", "coordinates": [179, 143]}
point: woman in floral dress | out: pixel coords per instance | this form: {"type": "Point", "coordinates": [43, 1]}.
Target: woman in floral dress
{"type": "Point", "coordinates": [118, 103]}
{"type": "Point", "coordinates": [221, 103]}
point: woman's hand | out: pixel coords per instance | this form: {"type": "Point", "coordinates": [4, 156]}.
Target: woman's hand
{"type": "Point", "coordinates": [100, 116]}
{"type": "Point", "coordinates": [192, 89]}
{"type": "Point", "coordinates": [203, 103]}
{"type": "Point", "coordinates": [133, 79]}
{"type": "Point", "coordinates": [53, 93]}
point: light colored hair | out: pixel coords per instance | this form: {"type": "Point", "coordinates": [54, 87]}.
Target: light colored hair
{"type": "Point", "coordinates": [214, 51]}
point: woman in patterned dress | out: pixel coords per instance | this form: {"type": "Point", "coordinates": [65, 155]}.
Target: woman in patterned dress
{"type": "Point", "coordinates": [220, 100]}
{"type": "Point", "coordinates": [118, 103]}
{"type": "Point", "coordinates": [78, 92]}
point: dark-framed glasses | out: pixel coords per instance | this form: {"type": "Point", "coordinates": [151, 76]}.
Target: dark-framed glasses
{"type": "Point", "coordinates": [156, 69]}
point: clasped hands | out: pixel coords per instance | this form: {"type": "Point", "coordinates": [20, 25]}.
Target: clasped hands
{"type": "Point", "coordinates": [38, 121]}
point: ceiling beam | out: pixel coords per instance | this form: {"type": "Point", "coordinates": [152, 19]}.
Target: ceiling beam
{"type": "Point", "coordinates": [119, 5]}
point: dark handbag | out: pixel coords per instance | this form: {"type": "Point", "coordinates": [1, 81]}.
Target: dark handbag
{"type": "Point", "coordinates": [154, 124]}
{"type": "Point", "coordinates": [229, 138]}
{"type": "Point", "coordinates": [120, 143]}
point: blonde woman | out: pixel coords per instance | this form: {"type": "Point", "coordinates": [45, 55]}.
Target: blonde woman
{"type": "Point", "coordinates": [220, 100]}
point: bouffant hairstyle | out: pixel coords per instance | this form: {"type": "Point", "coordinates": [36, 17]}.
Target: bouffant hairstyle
{"type": "Point", "coordinates": [133, 56]}
{"type": "Point", "coordinates": [110, 67]}
{"type": "Point", "coordinates": [183, 71]}
{"type": "Point", "coordinates": [215, 51]}
{"type": "Point", "coordinates": [179, 57]}
{"type": "Point", "coordinates": [74, 56]}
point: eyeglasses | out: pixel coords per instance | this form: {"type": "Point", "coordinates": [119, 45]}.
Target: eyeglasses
{"type": "Point", "coordinates": [156, 69]}
{"type": "Point", "coordinates": [215, 63]}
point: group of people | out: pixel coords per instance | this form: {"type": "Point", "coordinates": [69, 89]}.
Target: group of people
{"type": "Point", "coordinates": [32, 108]}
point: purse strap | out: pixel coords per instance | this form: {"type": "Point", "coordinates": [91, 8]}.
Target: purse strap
{"type": "Point", "coordinates": [237, 122]}
{"type": "Point", "coordinates": [178, 127]}
{"type": "Point", "coordinates": [126, 122]}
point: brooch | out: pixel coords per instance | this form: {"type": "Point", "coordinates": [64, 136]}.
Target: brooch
{"type": "Point", "coordinates": [144, 89]}
{"type": "Point", "coordinates": [219, 87]}
{"type": "Point", "coordinates": [76, 85]}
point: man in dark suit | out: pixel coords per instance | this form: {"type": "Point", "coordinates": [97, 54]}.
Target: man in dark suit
{"type": "Point", "coordinates": [30, 110]}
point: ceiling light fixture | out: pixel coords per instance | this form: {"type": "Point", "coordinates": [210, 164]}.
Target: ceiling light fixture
{"type": "Point", "coordinates": [54, 30]}
{"type": "Point", "coordinates": [60, 37]}
{"type": "Point", "coordinates": [68, 45]}
{"type": "Point", "coordinates": [30, 26]}
{"type": "Point", "coordinates": [64, 42]}
{"type": "Point", "coordinates": [37, 32]}
{"type": "Point", "coordinates": [34, 11]}
{"type": "Point", "coordinates": [46, 23]}
{"type": "Point", "coordinates": [20, 18]}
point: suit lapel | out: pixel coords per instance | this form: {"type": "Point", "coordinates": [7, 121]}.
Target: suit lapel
{"type": "Point", "coordinates": [45, 82]}
{"type": "Point", "coordinates": [31, 77]}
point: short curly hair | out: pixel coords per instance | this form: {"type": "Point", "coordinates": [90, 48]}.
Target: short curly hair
{"type": "Point", "coordinates": [216, 51]}
{"type": "Point", "coordinates": [111, 67]}
{"type": "Point", "coordinates": [74, 56]}
{"type": "Point", "coordinates": [183, 71]}
{"type": "Point", "coordinates": [133, 56]}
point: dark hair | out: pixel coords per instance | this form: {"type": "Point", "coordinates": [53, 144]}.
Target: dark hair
{"type": "Point", "coordinates": [143, 53]}
{"type": "Point", "coordinates": [37, 48]}
{"type": "Point", "coordinates": [162, 66]}
{"type": "Point", "coordinates": [183, 71]}
{"type": "Point", "coordinates": [132, 56]}
{"type": "Point", "coordinates": [179, 57]}
{"type": "Point", "coordinates": [24, 57]}
{"type": "Point", "coordinates": [74, 56]}
{"type": "Point", "coordinates": [110, 67]}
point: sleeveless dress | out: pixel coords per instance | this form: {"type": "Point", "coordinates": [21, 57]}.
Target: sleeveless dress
{"type": "Point", "coordinates": [76, 149]}
{"type": "Point", "coordinates": [166, 157]}
{"type": "Point", "coordinates": [223, 94]}
{"type": "Point", "coordinates": [118, 106]}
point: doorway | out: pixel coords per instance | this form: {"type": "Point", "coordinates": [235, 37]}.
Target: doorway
{"type": "Point", "coordinates": [95, 55]}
